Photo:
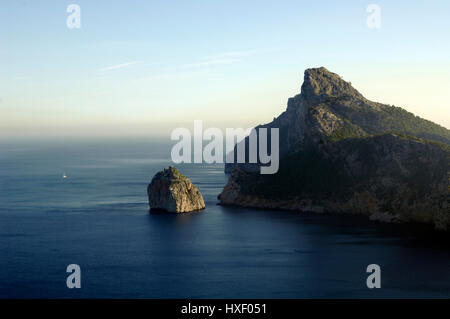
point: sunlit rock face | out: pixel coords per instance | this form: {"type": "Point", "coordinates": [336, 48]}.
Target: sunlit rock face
{"type": "Point", "coordinates": [340, 152]}
{"type": "Point", "coordinates": [170, 191]}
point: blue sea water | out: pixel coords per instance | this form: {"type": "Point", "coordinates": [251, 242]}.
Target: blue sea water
{"type": "Point", "coordinates": [98, 217]}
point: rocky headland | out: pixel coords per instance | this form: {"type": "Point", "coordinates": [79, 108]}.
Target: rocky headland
{"type": "Point", "coordinates": [342, 153]}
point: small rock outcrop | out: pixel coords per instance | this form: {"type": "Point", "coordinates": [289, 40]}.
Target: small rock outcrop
{"type": "Point", "coordinates": [173, 192]}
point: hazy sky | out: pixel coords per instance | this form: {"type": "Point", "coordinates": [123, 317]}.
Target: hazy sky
{"type": "Point", "coordinates": [145, 67]}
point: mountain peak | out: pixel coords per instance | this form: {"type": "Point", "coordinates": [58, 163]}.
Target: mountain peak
{"type": "Point", "coordinates": [319, 83]}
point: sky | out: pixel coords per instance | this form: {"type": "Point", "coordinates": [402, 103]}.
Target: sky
{"type": "Point", "coordinates": [146, 67]}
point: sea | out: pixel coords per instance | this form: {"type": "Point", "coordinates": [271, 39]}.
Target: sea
{"type": "Point", "coordinates": [98, 218]}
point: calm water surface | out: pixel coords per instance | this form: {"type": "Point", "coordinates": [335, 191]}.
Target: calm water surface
{"type": "Point", "coordinates": [98, 218]}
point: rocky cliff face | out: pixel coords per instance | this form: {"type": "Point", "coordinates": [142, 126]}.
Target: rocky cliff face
{"type": "Point", "coordinates": [173, 192]}
{"type": "Point", "coordinates": [344, 153]}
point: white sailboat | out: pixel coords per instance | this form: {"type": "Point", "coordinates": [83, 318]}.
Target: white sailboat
{"type": "Point", "coordinates": [64, 175]}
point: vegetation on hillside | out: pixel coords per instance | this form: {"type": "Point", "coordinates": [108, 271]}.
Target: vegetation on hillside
{"type": "Point", "coordinates": [385, 118]}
